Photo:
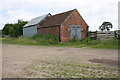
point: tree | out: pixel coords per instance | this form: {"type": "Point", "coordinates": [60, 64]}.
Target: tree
{"type": "Point", "coordinates": [5, 30]}
{"type": "Point", "coordinates": [14, 30]}
{"type": "Point", "coordinates": [106, 26]}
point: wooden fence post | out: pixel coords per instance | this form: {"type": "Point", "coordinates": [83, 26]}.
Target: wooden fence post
{"type": "Point", "coordinates": [95, 34]}
{"type": "Point", "coordinates": [89, 33]}
{"type": "Point", "coordinates": [115, 34]}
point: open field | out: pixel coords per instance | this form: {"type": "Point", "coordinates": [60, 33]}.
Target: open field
{"type": "Point", "coordinates": [21, 61]}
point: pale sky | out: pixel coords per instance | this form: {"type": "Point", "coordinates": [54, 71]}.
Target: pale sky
{"type": "Point", "coordinates": [94, 12]}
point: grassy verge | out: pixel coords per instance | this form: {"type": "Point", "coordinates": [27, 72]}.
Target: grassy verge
{"type": "Point", "coordinates": [108, 44]}
{"type": "Point", "coordinates": [52, 40]}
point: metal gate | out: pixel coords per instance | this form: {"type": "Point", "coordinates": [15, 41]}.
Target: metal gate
{"type": "Point", "coordinates": [75, 32]}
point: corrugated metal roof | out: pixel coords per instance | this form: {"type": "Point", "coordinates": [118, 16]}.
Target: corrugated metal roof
{"type": "Point", "coordinates": [36, 20]}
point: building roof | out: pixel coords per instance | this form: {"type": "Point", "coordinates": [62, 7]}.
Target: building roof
{"type": "Point", "coordinates": [56, 19]}
{"type": "Point", "coordinates": [36, 20]}
{"type": "Point", "coordinates": [48, 20]}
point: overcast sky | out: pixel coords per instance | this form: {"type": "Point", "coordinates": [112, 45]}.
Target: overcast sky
{"type": "Point", "coordinates": [93, 11]}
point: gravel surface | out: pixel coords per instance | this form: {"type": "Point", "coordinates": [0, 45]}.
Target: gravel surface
{"type": "Point", "coordinates": [17, 58]}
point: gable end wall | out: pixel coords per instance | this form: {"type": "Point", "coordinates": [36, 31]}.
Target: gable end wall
{"type": "Point", "coordinates": [74, 19]}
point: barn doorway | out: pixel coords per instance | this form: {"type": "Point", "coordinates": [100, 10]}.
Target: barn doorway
{"type": "Point", "coordinates": [75, 32]}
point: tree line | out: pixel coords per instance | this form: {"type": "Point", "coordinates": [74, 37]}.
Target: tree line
{"type": "Point", "coordinates": [14, 30]}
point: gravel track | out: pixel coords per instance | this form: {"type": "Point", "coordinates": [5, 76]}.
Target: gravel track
{"type": "Point", "coordinates": [15, 58]}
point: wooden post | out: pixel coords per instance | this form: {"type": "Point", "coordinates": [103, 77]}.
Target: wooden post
{"type": "Point", "coordinates": [95, 34]}
{"type": "Point", "coordinates": [89, 33]}
{"type": "Point", "coordinates": [115, 34]}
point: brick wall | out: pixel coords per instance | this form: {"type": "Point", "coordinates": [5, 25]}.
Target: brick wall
{"type": "Point", "coordinates": [74, 19]}
{"type": "Point", "coordinates": [49, 30]}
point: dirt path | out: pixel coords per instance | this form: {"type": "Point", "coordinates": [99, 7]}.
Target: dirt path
{"type": "Point", "coordinates": [17, 57]}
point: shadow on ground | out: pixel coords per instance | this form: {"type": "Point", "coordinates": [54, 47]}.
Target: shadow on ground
{"type": "Point", "coordinates": [105, 61]}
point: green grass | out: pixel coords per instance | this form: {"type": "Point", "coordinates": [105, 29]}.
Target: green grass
{"type": "Point", "coordinates": [107, 44]}
{"type": "Point", "coordinates": [35, 40]}
{"type": "Point", "coordinates": [52, 40]}
{"type": "Point", "coordinates": [0, 40]}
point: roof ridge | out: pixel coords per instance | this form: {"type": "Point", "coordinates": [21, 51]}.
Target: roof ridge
{"type": "Point", "coordinates": [64, 12]}
{"type": "Point", "coordinates": [40, 16]}
{"type": "Point", "coordinates": [57, 19]}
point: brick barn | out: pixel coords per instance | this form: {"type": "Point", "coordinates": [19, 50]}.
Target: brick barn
{"type": "Point", "coordinates": [66, 25]}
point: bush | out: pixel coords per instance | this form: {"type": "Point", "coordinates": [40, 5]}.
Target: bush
{"type": "Point", "coordinates": [14, 30]}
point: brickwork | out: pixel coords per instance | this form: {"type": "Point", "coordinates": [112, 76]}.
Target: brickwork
{"type": "Point", "coordinates": [49, 30]}
{"type": "Point", "coordinates": [74, 19]}
{"type": "Point", "coordinates": [64, 20]}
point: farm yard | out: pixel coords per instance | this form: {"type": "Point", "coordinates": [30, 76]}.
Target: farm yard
{"type": "Point", "coordinates": [59, 46]}
{"type": "Point", "coordinates": [43, 56]}
{"type": "Point", "coordinates": [53, 39]}
{"type": "Point", "coordinates": [58, 62]}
